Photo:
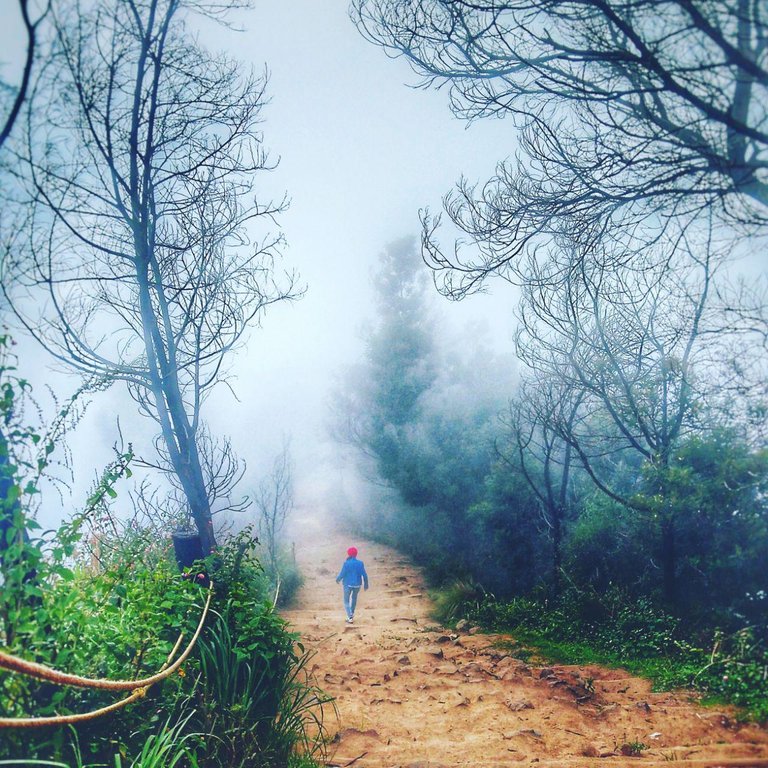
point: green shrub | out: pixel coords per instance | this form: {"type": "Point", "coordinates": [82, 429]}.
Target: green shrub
{"type": "Point", "coordinates": [255, 702]}
{"type": "Point", "coordinates": [112, 605]}
{"type": "Point", "coordinates": [244, 690]}
{"type": "Point", "coordinates": [458, 597]}
{"type": "Point", "coordinates": [285, 580]}
{"type": "Point", "coordinates": [238, 697]}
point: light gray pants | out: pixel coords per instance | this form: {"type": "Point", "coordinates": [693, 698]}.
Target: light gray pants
{"type": "Point", "coordinates": [350, 600]}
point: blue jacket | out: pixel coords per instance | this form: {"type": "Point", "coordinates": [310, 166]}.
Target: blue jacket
{"type": "Point", "coordinates": [353, 573]}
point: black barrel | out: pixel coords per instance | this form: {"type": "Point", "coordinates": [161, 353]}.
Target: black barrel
{"type": "Point", "coordinates": [188, 548]}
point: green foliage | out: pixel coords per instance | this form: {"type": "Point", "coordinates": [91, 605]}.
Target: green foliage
{"type": "Point", "coordinates": [608, 545]}
{"type": "Point", "coordinates": [102, 598]}
{"type": "Point", "coordinates": [399, 369]}
{"type": "Point", "coordinates": [651, 579]}
{"type": "Point", "coordinates": [237, 697]}
{"type": "Point", "coordinates": [714, 501]}
{"type": "Point", "coordinates": [287, 579]}
{"type": "Point", "coordinates": [257, 707]}
{"type": "Point", "coordinates": [254, 699]}
{"type": "Point", "coordinates": [168, 748]}
{"type": "Point", "coordinates": [508, 545]}
{"type": "Point", "coordinates": [245, 690]}
{"type": "Point", "coordinates": [107, 623]}
{"type": "Point", "coordinates": [455, 598]}
{"type": "Point", "coordinates": [718, 489]}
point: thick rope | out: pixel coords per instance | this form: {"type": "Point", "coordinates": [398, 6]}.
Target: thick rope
{"type": "Point", "coordinates": [138, 687]}
{"type": "Point", "coordinates": [39, 722]}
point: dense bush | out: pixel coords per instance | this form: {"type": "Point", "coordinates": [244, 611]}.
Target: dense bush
{"type": "Point", "coordinates": [242, 698]}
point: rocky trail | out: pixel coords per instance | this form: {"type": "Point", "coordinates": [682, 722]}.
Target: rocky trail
{"type": "Point", "coordinates": [411, 694]}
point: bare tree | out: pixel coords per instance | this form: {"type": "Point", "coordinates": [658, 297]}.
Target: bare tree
{"type": "Point", "coordinates": [17, 102]}
{"type": "Point", "coordinates": [222, 472]}
{"type": "Point", "coordinates": [630, 112]}
{"type": "Point", "coordinates": [141, 150]}
{"type": "Point", "coordinates": [742, 306]}
{"type": "Point", "coordinates": [544, 410]}
{"type": "Point", "coordinates": [31, 26]}
{"type": "Point", "coordinates": [274, 501]}
{"type": "Point", "coordinates": [634, 344]}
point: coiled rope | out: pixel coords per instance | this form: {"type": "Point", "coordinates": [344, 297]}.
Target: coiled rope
{"type": "Point", "coordinates": [138, 687]}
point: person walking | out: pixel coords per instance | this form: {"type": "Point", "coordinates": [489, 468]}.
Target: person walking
{"type": "Point", "coordinates": [352, 576]}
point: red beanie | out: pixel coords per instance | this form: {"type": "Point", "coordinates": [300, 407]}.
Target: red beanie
{"type": "Point", "coordinates": [352, 551]}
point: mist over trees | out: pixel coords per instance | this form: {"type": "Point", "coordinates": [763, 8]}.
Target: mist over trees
{"type": "Point", "coordinates": [384, 403]}
{"type": "Point", "coordinates": [631, 457]}
{"type": "Point", "coordinates": [613, 479]}
{"type": "Point", "coordinates": [613, 466]}
{"type": "Point", "coordinates": [419, 414]}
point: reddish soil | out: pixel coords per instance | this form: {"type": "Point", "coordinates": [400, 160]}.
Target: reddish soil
{"type": "Point", "coordinates": [411, 694]}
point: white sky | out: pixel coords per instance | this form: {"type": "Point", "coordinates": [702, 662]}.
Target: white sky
{"type": "Point", "coordinates": [360, 154]}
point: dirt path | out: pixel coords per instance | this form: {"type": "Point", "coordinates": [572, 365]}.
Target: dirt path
{"type": "Point", "coordinates": [412, 695]}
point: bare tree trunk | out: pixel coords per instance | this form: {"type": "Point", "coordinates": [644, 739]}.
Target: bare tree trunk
{"type": "Point", "coordinates": [191, 476]}
{"type": "Point", "coordinates": [274, 501]}
{"type": "Point", "coordinates": [557, 550]}
{"type": "Point", "coordinates": [177, 432]}
{"type": "Point", "coordinates": [669, 560]}
{"type": "Point", "coordinates": [152, 269]}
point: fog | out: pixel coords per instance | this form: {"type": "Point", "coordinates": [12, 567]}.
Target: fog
{"type": "Point", "coordinates": [573, 452]}
{"type": "Point", "coordinates": [360, 151]}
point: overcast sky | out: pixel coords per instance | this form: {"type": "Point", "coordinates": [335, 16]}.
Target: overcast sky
{"type": "Point", "coordinates": [360, 152]}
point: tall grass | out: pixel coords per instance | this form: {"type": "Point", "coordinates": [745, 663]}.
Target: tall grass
{"type": "Point", "coordinates": [301, 719]}
{"type": "Point", "coordinates": [167, 749]}
{"type": "Point", "coordinates": [256, 710]}
{"type": "Point", "coordinates": [456, 599]}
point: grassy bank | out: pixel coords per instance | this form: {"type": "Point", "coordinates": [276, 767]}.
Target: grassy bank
{"type": "Point", "coordinates": [635, 635]}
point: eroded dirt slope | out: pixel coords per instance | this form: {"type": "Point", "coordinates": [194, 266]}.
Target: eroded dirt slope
{"type": "Point", "coordinates": [410, 693]}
